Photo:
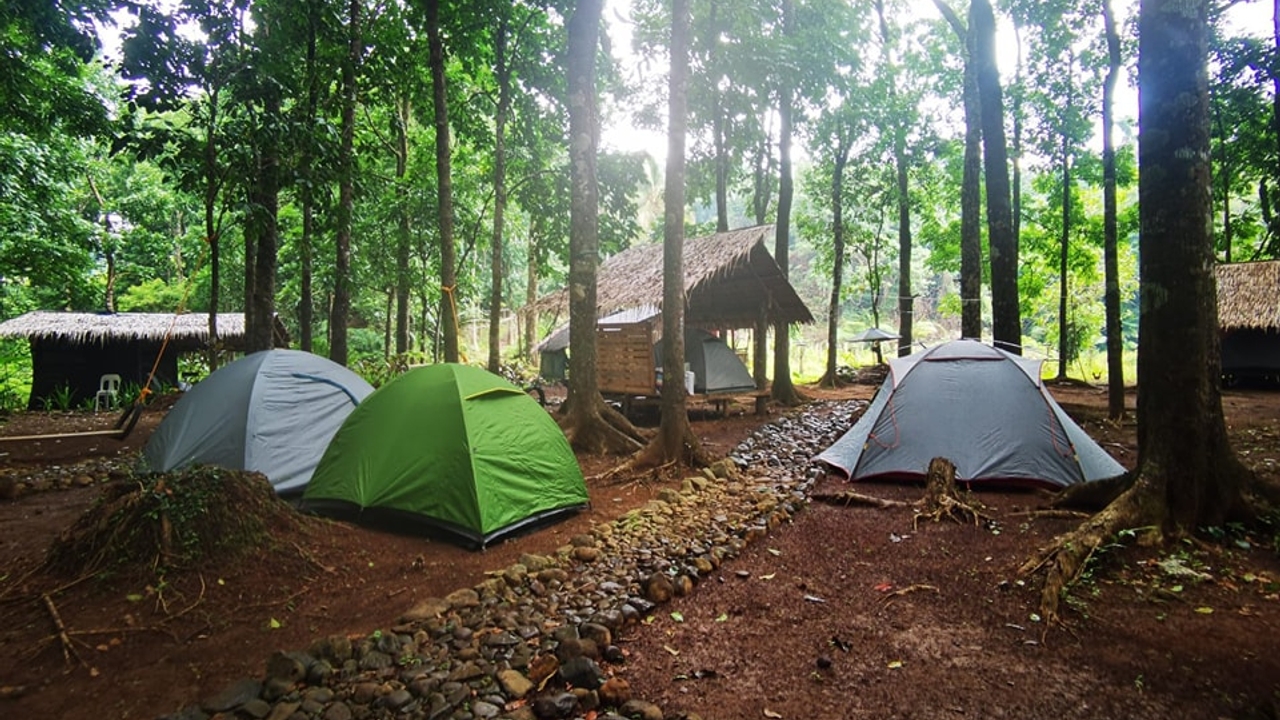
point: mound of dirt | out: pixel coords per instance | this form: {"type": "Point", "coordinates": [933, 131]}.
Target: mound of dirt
{"type": "Point", "coordinates": [161, 522]}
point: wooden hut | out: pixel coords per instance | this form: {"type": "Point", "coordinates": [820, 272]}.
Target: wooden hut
{"type": "Point", "coordinates": [730, 282]}
{"type": "Point", "coordinates": [1249, 321]}
{"type": "Point", "coordinates": [70, 351]}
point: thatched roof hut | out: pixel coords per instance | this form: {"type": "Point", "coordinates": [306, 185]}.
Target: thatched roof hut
{"type": "Point", "coordinates": [1249, 295]}
{"type": "Point", "coordinates": [71, 351]}
{"type": "Point", "coordinates": [728, 278]}
{"type": "Point", "coordinates": [1249, 320]}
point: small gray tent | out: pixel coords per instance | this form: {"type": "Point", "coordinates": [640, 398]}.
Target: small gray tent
{"type": "Point", "coordinates": [716, 367]}
{"type": "Point", "coordinates": [273, 412]}
{"type": "Point", "coordinates": [984, 409]}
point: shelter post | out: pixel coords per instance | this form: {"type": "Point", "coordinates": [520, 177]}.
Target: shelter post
{"type": "Point", "coordinates": [760, 338]}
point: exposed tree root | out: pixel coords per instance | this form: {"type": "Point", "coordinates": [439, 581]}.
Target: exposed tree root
{"type": "Point", "coordinates": [942, 497]}
{"type": "Point", "coordinates": [1065, 557]}
{"type": "Point", "coordinates": [654, 454]}
{"type": "Point", "coordinates": [853, 498]}
{"type": "Point", "coordinates": [907, 591]}
{"type": "Point", "coordinates": [601, 430]}
{"type": "Point", "coordinates": [1093, 496]}
{"type": "Point", "coordinates": [68, 650]}
{"type": "Point", "coordinates": [1052, 514]}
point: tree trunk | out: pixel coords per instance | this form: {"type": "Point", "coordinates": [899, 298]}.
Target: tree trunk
{"type": "Point", "coordinates": [1187, 475]}
{"type": "Point", "coordinates": [503, 72]}
{"type": "Point", "coordinates": [531, 290]}
{"type": "Point", "coordinates": [1181, 431]}
{"type": "Point", "coordinates": [970, 190]}
{"type": "Point", "coordinates": [211, 185]}
{"type": "Point", "coordinates": [906, 300]}
{"type": "Point", "coordinates": [592, 425]}
{"type": "Point", "coordinates": [783, 390]}
{"type": "Point", "coordinates": [841, 159]}
{"type": "Point", "coordinates": [260, 332]}
{"type": "Point", "coordinates": [675, 441]}
{"type": "Point", "coordinates": [306, 172]}
{"type": "Point", "coordinates": [1064, 332]}
{"type": "Point", "coordinates": [404, 232]}
{"type": "Point", "coordinates": [1110, 250]}
{"type": "Point", "coordinates": [444, 188]}
{"type": "Point", "coordinates": [1006, 321]}
{"type": "Point", "coordinates": [340, 311]}
{"type": "Point", "coordinates": [718, 123]}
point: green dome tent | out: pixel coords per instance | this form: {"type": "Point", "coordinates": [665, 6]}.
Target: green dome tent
{"type": "Point", "coordinates": [448, 447]}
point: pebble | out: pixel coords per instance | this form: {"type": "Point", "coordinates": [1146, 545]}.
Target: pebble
{"type": "Point", "coordinates": [550, 621]}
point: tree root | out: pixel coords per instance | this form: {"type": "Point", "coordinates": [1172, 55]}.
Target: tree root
{"type": "Point", "coordinates": [600, 429]}
{"type": "Point", "coordinates": [1065, 557]}
{"type": "Point", "coordinates": [68, 650]}
{"type": "Point", "coordinates": [852, 498]}
{"type": "Point", "coordinates": [1052, 514]}
{"type": "Point", "coordinates": [907, 591]}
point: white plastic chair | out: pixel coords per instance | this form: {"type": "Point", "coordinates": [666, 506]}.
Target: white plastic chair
{"type": "Point", "coordinates": [108, 388]}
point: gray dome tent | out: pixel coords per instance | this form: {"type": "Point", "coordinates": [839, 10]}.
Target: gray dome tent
{"type": "Point", "coordinates": [984, 409]}
{"type": "Point", "coordinates": [273, 412]}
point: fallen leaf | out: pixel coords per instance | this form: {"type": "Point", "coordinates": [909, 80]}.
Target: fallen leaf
{"type": "Point", "coordinates": [771, 714]}
{"type": "Point", "coordinates": [274, 624]}
{"type": "Point", "coordinates": [774, 551]}
{"type": "Point", "coordinates": [1203, 610]}
{"type": "Point", "coordinates": [722, 617]}
{"type": "Point", "coordinates": [884, 587]}
{"type": "Point", "coordinates": [895, 664]}
{"type": "Point", "coordinates": [671, 650]}
{"type": "Point", "coordinates": [770, 576]}
{"type": "Point", "coordinates": [677, 617]}
{"type": "Point", "coordinates": [814, 599]}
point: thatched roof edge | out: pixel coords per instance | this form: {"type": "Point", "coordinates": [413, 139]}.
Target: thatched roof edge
{"type": "Point", "coordinates": [100, 327]}
{"type": "Point", "coordinates": [1249, 295]}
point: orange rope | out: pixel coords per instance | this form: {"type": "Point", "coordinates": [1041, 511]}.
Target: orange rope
{"type": "Point", "coordinates": [453, 307]}
{"type": "Point", "coordinates": [182, 304]}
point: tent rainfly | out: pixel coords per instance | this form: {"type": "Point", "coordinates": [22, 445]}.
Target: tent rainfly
{"type": "Point", "coordinates": [449, 448]}
{"type": "Point", "coordinates": [273, 412]}
{"type": "Point", "coordinates": [984, 409]}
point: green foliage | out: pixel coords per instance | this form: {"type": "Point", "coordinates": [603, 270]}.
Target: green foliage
{"type": "Point", "coordinates": [61, 399]}
{"type": "Point", "coordinates": [15, 374]}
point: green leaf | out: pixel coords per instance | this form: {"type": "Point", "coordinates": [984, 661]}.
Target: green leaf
{"type": "Point", "coordinates": [274, 624]}
{"type": "Point", "coordinates": [722, 617]}
{"type": "Point", "coordinates": [677, 617]}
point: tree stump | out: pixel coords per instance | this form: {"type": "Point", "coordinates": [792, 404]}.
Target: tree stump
{"type": "Point", "coordinates": [942, 497]}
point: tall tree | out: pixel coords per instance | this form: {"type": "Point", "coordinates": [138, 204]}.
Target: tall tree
{"type": "Point", "coordinates": [898, 132]}
{"type": "Point", "coordinates": [1110, 251]}
{"type": "Point", "coordinates": [340, 310]}
{"type": "Point", "coordinates": [784, 390]}
{"type": "Point", "coordinates": [675, 440]}
{"type": "Point", "coordinates": [1187, 475]}
{"type": "Point", "coordinates": [1006, 314]}
{"type": "Point", "coordinates": [592, 425]}
{"type": "Point", "coordinates": [970, 185]}
{"type": "Point", "coordinates": [444, 187]}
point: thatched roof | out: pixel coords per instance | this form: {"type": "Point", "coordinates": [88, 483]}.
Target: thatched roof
{"type": "Point", "coordinates": [727, 278]}
{"type": "Point", "coordinates": [101, 327]}
{"type": "Point", "coordinates": [1249, 295]}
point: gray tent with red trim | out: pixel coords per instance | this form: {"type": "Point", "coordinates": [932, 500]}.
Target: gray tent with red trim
{"type": "Point", "coordinates": [982, 408]}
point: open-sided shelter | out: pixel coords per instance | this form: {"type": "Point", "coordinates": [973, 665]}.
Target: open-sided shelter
{"type": "Point", "coordinates": [71, 351]}
{"type": "Point", "coordinates": [984, 409]}
{"type": "Point", "coordinates": [448, 448]}
{"type": "Point", "coordinates": [273, 412]}
{"type": "Point", "coordinates": [1249, 320]}
{"type": "Point", "coordinates": [730, 282]}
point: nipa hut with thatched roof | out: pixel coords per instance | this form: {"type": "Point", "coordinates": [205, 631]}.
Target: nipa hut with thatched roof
{"type": "Point", "coordinates": [730, 282]}
{"type": "Point", "coordinates": [1249, 320]}
{"type": "Point", "coordinates": [70, 351]}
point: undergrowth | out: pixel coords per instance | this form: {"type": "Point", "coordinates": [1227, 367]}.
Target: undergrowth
{"type": "Point", "coordinates": [171, 521]}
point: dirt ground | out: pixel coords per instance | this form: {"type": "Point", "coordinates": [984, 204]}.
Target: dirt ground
{"type": "Point", "coordinates": [846, 612]}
